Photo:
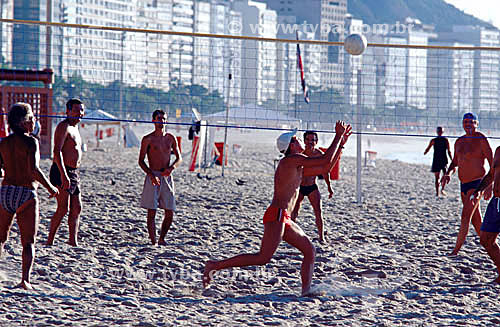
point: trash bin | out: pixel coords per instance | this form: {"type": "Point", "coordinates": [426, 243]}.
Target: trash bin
{"type": "Point", "coordinates": [335, 172]}
{"type": "Point", "coordinates": [179, 141]}
{"type": "Point", "coordinates": [220, 148]}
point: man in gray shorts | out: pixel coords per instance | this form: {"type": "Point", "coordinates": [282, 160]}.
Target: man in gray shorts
{"type": "Point", "coordinates": [158, 191]}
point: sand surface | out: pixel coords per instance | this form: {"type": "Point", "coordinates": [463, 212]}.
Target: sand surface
{"type": "Point", "coordinates": [401, 233]}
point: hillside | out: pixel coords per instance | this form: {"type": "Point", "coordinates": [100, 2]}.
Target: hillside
{"type": "Point", "coordinates": [435, 12]}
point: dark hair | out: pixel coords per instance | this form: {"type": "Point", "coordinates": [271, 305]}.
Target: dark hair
{"type": "Point", "coordinates": [71, 102]}
{"type": "Point", "coordinates": [158, 112]}
{"type": "Point", "coordinates": [288, 151]}
{"type": "Point", "coordinates": [17, 114]}
{"type": "Point", "coordinates": [310, 133]}
{"type": "Point", "coordinates": [439, 128]}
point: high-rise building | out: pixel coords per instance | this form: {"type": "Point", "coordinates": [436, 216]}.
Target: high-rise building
{"type": "Point", "coordinates": [96, 55]}
{"type": "Point", "coordinates": [148, 53]}
{"type": "Point", "coordinates": [486, 64]}
{"type": "Point", "coordinates": [352, 64]}
{"type": "Point", "coordinates": [258, 57]}
{"type": "Point", "coordinates": [30, 46]}
{"type": "Point", "coordinates": [326, 20]}
{"type": "Point", "coordinates": [450, 78]}
{"type": "Point", "coordinates": [225, 54]}
{"type": "Point", "coordinates": [182, 47]}
{"type": "Point", "coordinates": [6, 11]}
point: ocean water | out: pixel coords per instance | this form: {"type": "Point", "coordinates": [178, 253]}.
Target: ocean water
{"type": "Point", "coordinates": [409, 149]}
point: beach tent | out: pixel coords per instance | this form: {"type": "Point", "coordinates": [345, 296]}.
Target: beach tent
{"type": "Point", "coordinates": [251, 114]}
{"type": "Point", "coordinates": [100, 117]}
{"type": "Point", "coordinates": [131, 140]}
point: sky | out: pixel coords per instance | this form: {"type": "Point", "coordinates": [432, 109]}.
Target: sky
{"type": "Point", "coordinates": [488, 10]}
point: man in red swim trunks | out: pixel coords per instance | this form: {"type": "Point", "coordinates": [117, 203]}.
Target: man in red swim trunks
{"type": "Point", "coordinates": [277, 222]}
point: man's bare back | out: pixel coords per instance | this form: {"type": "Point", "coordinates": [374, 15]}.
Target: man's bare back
{"type": "Point", "coordinates": [16, 152]}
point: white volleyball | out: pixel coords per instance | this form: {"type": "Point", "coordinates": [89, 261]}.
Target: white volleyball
{"type": "Point", "coordinates": [355, 44]}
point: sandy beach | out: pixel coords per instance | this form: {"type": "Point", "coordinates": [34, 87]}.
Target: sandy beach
{"type": "Point", "coordinates": [385, 262]}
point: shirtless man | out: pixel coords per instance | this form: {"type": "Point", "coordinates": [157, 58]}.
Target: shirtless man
{"type": "Point", "coordinates": [308, 185]}
{"type": "Point", "coordinates": [19, 157]}
{"type": "Point", "coordinates": [471, 150]}
{"type": "Point", "coordinates": [158, 191]}
{"type": "Point", "coordinates": [64, 172]}
{"type": "Point", "coordinates": [491, 224]}
{"type": "Point", "coordinates": [277, 222]}
{"type": "Point", "coordinates": [439, 160]}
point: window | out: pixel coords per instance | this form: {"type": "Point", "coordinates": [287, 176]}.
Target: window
{"type": "Point", "coordinates": [333, 51]}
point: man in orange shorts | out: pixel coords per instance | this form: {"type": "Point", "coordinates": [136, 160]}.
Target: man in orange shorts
{"type": "Point", "coordinates": [277, 222]}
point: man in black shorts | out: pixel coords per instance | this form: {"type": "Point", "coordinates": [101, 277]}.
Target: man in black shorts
{"type": "Point", "coordinates": [440, 159]}
{"type": "Point", "coordinates": [309, 188]}
{"type": "Point", "coordinates": [64, 172]}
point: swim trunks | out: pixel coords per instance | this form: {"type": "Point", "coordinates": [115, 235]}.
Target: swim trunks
{"type": "Point", "coordinates": [74, 178]}
{"type": "Point", "coordinates": [12, 197]}
{"type": "Point", "coordinates": [163, 196]}
{"type": "Point", "coordinates": [306, 190]}
{"type": "Point", "coordinates": [466, 187]}
{"type": "Point", "coordinates": [440, 160]}
{"type": "Point", "coordinates": [491, 222]}
{"type": "Point", "coordinates": [276, 214]}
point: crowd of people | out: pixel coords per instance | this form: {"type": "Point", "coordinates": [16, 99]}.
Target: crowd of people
{"type": "Point", "coordinates": [294, 179]}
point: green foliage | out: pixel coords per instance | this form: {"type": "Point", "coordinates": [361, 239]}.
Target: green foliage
{"type": "Point", "coordinates": [137, 102]}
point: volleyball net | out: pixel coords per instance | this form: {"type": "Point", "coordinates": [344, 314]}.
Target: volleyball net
{"type": "Point", "coordinates": [396, 88]}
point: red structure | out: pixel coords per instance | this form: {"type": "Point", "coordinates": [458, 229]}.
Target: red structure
{"type": "Point", "coordinates": [40, 99]}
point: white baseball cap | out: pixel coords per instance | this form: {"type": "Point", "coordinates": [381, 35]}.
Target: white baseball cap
{"type": "Point", "coordinates": [284, 139]}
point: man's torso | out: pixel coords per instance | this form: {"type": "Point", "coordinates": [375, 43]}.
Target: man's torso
{"type": "Point", "coordinates": [159, 150]}
{"type": "Point", "coordinates": [310, 180]}
{"type": "Point", "coordinates": [72, 147]}
{"type": "Point", "coordinates": [470, 157]}
{"type": "Point", "coordinates": [440, 148]}
{"type": "Point", "coordinates": [287, 180]}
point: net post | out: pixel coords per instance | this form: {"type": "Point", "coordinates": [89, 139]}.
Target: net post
{"type": "Point", "coordinates": [359, 122]}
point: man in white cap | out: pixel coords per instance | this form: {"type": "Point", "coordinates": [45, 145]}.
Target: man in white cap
{"type": "Point", "coordinates": [277, 222]}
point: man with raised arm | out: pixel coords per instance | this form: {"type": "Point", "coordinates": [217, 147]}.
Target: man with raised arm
{"type": "Point", "coordinates": [440, 157]}
{"type": "Point", "coordinates": [158, 191]}
{"type": "Point", "coordinates": [19, 158]}
{"type": "Point", "coordinates": [64, 172]}
{"type": "Point", "coordinates": [277, 222]}
{"type": "Point", "coordinates": [309, 188]}
{"type": "Point", "coordinates": [471, 150]}
{"type": "Point", "coordinates": [491, 224]}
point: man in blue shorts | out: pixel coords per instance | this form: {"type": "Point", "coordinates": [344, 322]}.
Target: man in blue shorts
{"type": "Point", "coordinates": [491, 223]}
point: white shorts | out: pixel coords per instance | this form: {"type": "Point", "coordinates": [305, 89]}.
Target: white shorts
{"type": "Point", "coordinates": [163, 196]}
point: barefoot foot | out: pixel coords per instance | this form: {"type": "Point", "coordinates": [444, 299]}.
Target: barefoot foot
{"type": "Point", "coordinates": [208, 273]}
{"type": "Point", "coordinates": [162, 242]}
{"type": "Point", "coordinates": [25, 285]}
